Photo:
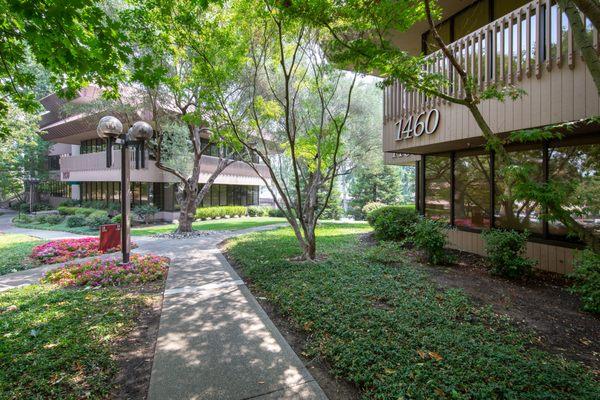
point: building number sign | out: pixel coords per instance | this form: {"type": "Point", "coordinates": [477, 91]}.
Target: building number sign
{"type": "Point", "coordinates": [413, 127]}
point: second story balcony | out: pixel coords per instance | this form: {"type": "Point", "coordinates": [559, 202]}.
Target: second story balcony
{"type": "Point", "coordinates": [92, 167]}
{"type": "Point", "coordinates": [531, 48]}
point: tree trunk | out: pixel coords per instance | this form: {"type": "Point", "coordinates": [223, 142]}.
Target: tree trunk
{"type": "Point", "coordinates": [187, 208]}
{"type": "Point", "coordinates": [591, 9]}
{"type": "Point", "coordinates": [582, 40]}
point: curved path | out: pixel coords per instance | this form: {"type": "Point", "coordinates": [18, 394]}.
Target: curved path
{"type": "Point", "coordinates": [214, 339]}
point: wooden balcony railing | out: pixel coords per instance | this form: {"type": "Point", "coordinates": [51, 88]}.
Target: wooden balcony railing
{"type": "Point", "coordinates": [524, 44]}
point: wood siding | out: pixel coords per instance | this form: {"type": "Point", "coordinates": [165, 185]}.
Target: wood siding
{"type": "Point", "coordinates": [558, 86]}
{"type": "Point", "coordinates": [550, 258]}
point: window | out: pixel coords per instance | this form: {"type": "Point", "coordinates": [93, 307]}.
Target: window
{"type": "Point", "coordinates": [513, 213]}
{"type": "Point", "coordinates": [472, 191]}
{"type": "Point", "coordinates": [437, 187]}
{"type": "Point", "coordinates": [576, 169]}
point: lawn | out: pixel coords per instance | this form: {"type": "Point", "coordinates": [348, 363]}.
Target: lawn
{"type": "Point", "coordinates": [62, 227]}
{"type": "Point", "coordinates": [57, 343]}
{"type": "Point", "coordinates": [211, 225]}
{"type": "Point", "coordinates": [15, 251]}
{"type": "Point", "coordinates": [381, 323]}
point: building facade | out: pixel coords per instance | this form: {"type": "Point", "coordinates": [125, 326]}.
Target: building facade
{"type": "Point", "coordinates": [77, 164]}
{"type": "Point", "coordinates": [525, 44]}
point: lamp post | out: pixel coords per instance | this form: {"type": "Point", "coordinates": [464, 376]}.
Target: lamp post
{"type": "Point", "coordinates": [111, 129]}
{"type": "Point", "coordinates": [31, 181]}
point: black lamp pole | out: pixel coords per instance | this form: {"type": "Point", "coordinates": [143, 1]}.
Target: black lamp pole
{"type": "Point", "coordinates": [111, 129]}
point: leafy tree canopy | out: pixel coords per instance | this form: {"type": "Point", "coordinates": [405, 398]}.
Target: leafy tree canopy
{"type": "Point", "coordinates": [77, 41]}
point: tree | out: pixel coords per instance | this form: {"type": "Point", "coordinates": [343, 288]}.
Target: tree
{"type": "Point", "coordinates": [285, 115]}
{"type": "Point", "coordinates": [23, 153]}
{"type": "Point", "coordinates": [185, 51]}
{"type": "Point", "coordinates": [380, 184]}
{"type": "Point", "coordinates": [77, 42]}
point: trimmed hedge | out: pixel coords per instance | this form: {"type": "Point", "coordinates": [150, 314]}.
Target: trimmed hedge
{"type": "Point", "coordinates": [97, 218]}
{"type": "Point", "coordinates": [76, 210]}
{"type": "Point", "coordinates": [258, 211]}
{"type": "Point", "coordinates": [221, 212]}
{"type": "Point", "coordinates": [393, 222]}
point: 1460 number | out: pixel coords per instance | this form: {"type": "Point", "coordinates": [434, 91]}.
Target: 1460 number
{"type": "Point", "coordinates": [426, 122]}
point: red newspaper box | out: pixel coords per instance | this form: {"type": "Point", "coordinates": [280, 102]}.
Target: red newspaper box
{"type": "Point", "coordinates": [110, 236]}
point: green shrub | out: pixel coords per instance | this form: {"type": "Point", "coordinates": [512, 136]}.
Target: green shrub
{"type": "Point", "coordinates": [54, 219]}
{"type": "Point", "coordinates": [276, 212]}
{"type": "Point", "coordinates": [220, 212]}
{"type": "Point", "coordinates": [40, 219]}
{"type": "Point", "coordinates": [371, 206]}
{"type": "Point", "coordinates": [75, 221]}
{"type": "Point", "coordinates": [69, 203]}
{"type": "Point", "coordinates": [24, 208]}
{"type": "Point", "coordinates": [258, 211]}
{"type": "Point", "coordinates": [41, 207]}
{"type": "Point", "coordinates": [392, 222]}
{"type": "Point", "coordinates": [505, 253]}
{"type": "Point", "coordinates": [117, 219]}
{"type": "Point", "coordinates": [76, 210]}
{"type": "Point", "coordinates": [97, 218]}
{"type": "Point", "coordinates": [586, 276]}
{"type": "Point", "coordinates": [145, 212]}
{"type": "Point", "coordinates": [430, 236]}
{"type": "Point", "coordinates": [24, 219]}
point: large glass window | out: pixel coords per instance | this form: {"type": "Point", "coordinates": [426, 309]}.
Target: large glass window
{"type": "Point", "coordinates": [437, 187]}
{"type": "Point", "coordinates": [472, 190]}
{"type": "Point", "coordinates": [576, 169]}
{"type": "Point", "coordinates": [512, 212]}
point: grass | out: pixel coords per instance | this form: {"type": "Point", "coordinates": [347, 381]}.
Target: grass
{"type": "Point", "coordinates": [216, 225]}
{"type": "Point", "coordinates": [14, 252]}
{"type": "Point", "coordinates": [57, 343]}
{"type": "Point", "coordinates": [389, 329]}
{"type": "Point", "coordinates": [62, 227]}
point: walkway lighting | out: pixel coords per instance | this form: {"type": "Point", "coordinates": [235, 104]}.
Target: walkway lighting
{"type": "Point", "coordinates": [111, 129]}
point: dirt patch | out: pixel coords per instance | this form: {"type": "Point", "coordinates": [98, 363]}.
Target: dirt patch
{"type": "Point", "coordinates": [135, 353]}
{"type": "Point", "coordinates": [334, 388]}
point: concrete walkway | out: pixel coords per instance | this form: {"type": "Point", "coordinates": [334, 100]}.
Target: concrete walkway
{"type": "Point", "coordinates": [214, 339]}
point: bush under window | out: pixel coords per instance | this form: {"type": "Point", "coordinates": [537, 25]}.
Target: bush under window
{"type": "Point", "coordinates": [505, 253]}
{"type": "Point", "coordinates": [431, 237]}
{"type": "Point", "coordinates": [393, 222]}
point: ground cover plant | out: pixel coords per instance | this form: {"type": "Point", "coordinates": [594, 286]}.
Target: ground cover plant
{"type": "Point", "coordinates": [58, 344]}
{"type": "Point", "coordinates": [15, 251]}
{"type": "Point", "coordinates": [212, 225]}
{"type": "Point", "coordinates": [388, 328]}
{"type": "Point", "coordinates": [57, 251]}
{"type": "Point", "coordinates": [140, 270]}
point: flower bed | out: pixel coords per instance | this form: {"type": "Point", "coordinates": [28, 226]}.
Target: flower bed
{"type": "Point", "coordinates": [63, 250]}
{"type": "Point", "coordinates": [97, 272]}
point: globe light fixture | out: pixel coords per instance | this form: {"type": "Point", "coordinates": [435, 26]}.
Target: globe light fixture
{"type": "Point", "coordinates": [111, 129]}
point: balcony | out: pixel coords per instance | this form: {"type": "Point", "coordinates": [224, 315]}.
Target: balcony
{"type": "Point", "coordinates": [531, 48]}
{"type": "Point", "coordinates": [92, 167]}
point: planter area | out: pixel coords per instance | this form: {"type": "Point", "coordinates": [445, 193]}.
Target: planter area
{"type": "Point", "coordinates": [58, 251]}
